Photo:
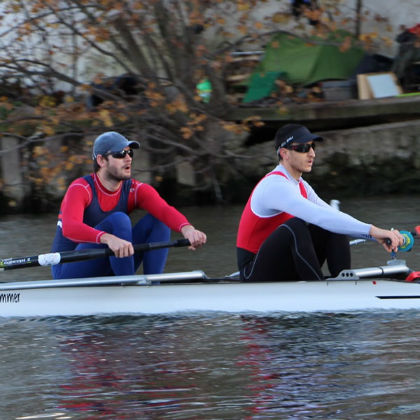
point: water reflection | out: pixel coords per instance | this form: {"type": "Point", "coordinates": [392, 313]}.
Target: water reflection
{"type": "Point", "coordinates": [329, 365]}
{"type": "Point", "coordinates": [164, 365]}
{"type": "Point", "coordinates": [220, 366]}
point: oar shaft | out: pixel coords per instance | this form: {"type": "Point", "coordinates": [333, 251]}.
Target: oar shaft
{"type": "Point", "coordinates": [54, 258]}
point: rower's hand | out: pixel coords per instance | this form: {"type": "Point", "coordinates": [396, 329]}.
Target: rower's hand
{"type": "Point", "coordinates": [120, 247]}
{"type": "Point", "coordinates": [196, 237]}
{"type": "Point", "coordinates": [390, 239]}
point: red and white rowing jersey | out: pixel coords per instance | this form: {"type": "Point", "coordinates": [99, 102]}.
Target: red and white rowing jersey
{"type": "Point", "coordinates": [253, 229]}
{"type": "Point", "coordinates": [278, 197]}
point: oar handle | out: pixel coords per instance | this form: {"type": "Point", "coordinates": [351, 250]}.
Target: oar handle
{"type": "Point", "coordinates": [405, 247]}
{"type": "Point", "coordinates": [408, 241]}
{"type": "Point", "coordinates": [54, 258]}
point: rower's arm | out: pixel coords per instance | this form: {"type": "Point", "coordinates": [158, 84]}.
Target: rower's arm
{"type": "Point", "coordinates": [148, 198]}
{"type": "Point", "coordinates": [280, 194]}
{"type": "Point", "coordinates": [77, 198]}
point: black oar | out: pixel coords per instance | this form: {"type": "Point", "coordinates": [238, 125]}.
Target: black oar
{"type": "Point", "coordinates": [54, 258]}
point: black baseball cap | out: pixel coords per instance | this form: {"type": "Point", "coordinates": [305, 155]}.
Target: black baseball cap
{"type": "Point", "coordinates": [293, 133]}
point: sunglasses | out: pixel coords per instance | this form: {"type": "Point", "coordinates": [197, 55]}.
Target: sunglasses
{"type": "Point", "coordinates": [122, 154]}
{"type": "Point", "coordinates": [301, 148]}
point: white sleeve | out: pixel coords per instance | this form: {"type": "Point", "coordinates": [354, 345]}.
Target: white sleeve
{"type": "Point", "coordinates": [276, 194]}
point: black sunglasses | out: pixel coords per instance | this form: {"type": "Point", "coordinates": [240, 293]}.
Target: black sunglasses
{"type": "Point", "coordinates": [301, 148]}
{"type": "Point", "coordinates": [122, 154]}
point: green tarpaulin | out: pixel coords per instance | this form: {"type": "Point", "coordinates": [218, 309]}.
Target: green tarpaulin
{"type": "Point", "coordinates": [299, 61]}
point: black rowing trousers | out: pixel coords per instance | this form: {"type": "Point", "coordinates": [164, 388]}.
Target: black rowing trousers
{"type": "Point", "coordinates": [295, 251]}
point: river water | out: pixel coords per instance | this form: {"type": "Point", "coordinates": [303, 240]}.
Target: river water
{"type": "Point", "coordinates": [212, 366]}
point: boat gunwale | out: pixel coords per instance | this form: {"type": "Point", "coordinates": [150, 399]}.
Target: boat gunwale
{"type": "Point", "coordinates": [33, 285]}
{"type": "Point", "coordinates": [393, 271]}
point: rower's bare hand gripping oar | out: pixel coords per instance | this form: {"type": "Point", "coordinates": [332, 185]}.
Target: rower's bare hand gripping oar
{"type": "Point", "coordinates": [406, 245]}
{"type": "Point", "coordinates": [54, 258]}
{"type": "Point", "coordinates": [389, 238]}
{"type": "Point", "coordinates": [408, 240]}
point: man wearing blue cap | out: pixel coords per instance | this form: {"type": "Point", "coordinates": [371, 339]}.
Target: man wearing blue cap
{"type": "Point", "coordinates": [94, 213]}
{"type": "Point", "coordinates": [286, 231]}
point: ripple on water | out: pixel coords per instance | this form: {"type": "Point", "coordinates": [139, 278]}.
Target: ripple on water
{"type": "Point", "coordinates": [214, 366]}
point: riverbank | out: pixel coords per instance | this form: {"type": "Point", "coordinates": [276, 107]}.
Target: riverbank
{"type": "Point", "coordinates": [336, 115]}
{"type": "Point", "coordinates": [361, 161]}
{"type": "Point", "coordinates": [367, 160]}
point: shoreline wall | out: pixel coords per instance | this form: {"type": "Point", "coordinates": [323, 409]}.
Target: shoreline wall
{"type": "Point", "coordinates": [379, 159]}
{"type": "Point", "coordinates": [371, 160]}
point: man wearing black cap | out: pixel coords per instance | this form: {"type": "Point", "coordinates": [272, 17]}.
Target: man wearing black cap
{"type": "Point", "coordinates": [94, 213]}
{"type": "Point", "coordinates": [286, 231]}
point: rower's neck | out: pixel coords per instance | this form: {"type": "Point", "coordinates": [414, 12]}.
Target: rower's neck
{"type": "Point", "coordinates": [109, 183]}
{"type": "Point", "coordinates": [292, 171]}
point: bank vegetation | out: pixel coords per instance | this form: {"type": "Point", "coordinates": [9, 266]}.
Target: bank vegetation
{"type": "Point", "coordinates": [158, 71]}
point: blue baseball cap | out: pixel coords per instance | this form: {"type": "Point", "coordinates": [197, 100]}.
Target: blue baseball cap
{"type": "Point", "coordinates": [111, 142]}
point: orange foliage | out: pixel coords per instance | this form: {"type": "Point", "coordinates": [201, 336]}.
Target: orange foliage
{"type": "Point", "coordinates": [168, 58]}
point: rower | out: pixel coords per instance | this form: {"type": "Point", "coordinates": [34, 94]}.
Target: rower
{"type": "Point", "coordinates": [286, 231]}
{"type": "Point", "coordinates": [95, 212]}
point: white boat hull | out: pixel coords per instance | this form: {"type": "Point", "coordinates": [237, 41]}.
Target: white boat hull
{"type": "Point", "coordinates": [109, 297]}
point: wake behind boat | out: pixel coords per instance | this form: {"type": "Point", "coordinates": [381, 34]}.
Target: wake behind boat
{"type": "Point", "coordinates": [371, 288]}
